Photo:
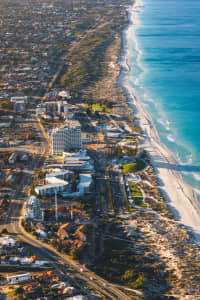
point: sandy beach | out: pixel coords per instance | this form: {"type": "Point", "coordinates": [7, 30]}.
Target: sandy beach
{"type": "Point", "coordinates": [180, 197]}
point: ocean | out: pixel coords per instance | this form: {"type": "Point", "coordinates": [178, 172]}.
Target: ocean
{"type": "Point", "coordinates": [165, 73]}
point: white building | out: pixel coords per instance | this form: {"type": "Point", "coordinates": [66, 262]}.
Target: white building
{"type": "Point", "coordinates": [56, 182]}
{"type": "Point", "coordinates": [66, 137]}
{"type": "Point", "coordinates": [18, 278]}
{"type": "Point", "coordinates": [85, 183]}
{"type": "Point", "coordinates": [64, 94]}
{"type": "Point", "coordinates": [58, 174]}
{"type": "Point", "coordinates": [19, 99]}
{"type": "Point", "coordinates": [7, 241]}
{"type": "Point", "coordinates": [49, 189]}
{"type": "Point", "coordinates": [41, 233]}
{"type": "Point", "coordinates": [77, 156]}
{"type": "Point", "coordinates": [12, 159]}
{"type": "Point", "coordinates": [32, 209]}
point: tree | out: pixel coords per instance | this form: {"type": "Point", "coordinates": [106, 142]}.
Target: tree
{"type": "Point", "coordinates": [4, 231]}
{"type": "Point", "coordinates": [53, 243]}
{"type": "Point", "coordinates": [40, 174]}
{"type": "Point", "coordinates": [19, 291]}
{"type": "Point", "coordinates": [74, 254]}
{"type": "Point", "coordinates": [128, 275]}
{"type": "Point", "coordinates": [32, 188]}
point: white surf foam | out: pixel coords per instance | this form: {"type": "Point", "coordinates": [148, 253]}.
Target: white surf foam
{"type": "Point", "coordinates": [170, 138]}
{"type": "Point", "coordinates": [196, 176]}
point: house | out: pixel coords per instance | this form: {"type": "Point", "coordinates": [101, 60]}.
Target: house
{"type": "Point", "coordinates": [12, 159]}
{"type": "Point", "coordinates": [63, 231]}
{"type": "Point", "coordinates": [25, 261]}
{"type": "Point", "coordinates": [30, 288]}
{"type": "Point", "coordinates": [47, 275]}
{"type": "Point", "coordinates": [42, 234]}
{"type": "Point", "coordinates": [79, 244]}
{"type": "Point", "coordinates": [14, 260]}
{"type": "Point", "coordinates": [70, 290]}
{"type": "Point", "coordinates": [80, 235]}
{"type": "Point", "coordinates": [8, 242]}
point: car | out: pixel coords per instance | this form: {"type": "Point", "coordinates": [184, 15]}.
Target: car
{"type": "Point", "coordinates": [104, 284]}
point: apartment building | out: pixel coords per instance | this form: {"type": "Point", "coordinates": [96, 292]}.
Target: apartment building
{"type": "Point", "coordinates": [32, 209]}
{"type": "Point", "coordinates": [66, 137]}
{"type": "Point", "coordinates": [59, 107]}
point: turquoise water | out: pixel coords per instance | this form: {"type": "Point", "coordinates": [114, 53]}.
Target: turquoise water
{"type": "Point", "coordinates": [165, 72]}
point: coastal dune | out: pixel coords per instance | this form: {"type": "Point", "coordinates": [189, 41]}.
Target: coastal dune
{"type": "Point", "coordinates": [180, 197]}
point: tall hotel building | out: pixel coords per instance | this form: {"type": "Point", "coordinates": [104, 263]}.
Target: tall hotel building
{"type": "Point", "coordinates": [66, 137]}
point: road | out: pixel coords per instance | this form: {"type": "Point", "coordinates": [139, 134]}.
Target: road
{"type": "Point", "coordinates": [61, 261]}
{"type": "Point", "coordinates": [114, 177]}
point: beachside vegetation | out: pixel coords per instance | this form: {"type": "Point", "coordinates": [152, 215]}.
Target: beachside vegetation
{"type": "Point", "coordinates": [135, 191]}
{"type": "Point", "coordinates": [137, 166]}
{"type": "Point", "coordinates": [97, 107]}
{"type": "Point", "coordinates": [85, 60]}
{"type": "Point", "coordinates": [132, 139]}
{"type": "Point", "coordinates": [136, 194]}
{"type": "Point", "coordinates": [131, 152]}
{"type": "Point", "coordinates": [125, 265]}
{"type": "Point", "coordinates": [93, 32]}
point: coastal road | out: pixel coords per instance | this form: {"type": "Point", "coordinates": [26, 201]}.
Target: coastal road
{"type": "Point", "coordinates": [116, 186]}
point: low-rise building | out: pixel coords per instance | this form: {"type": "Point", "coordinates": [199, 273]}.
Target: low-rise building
{"type": "Point", "coordinates": [56, 182]}
{"type": "Point", "coordinates": [18, 278]}
{"type": "Point", "coordinates": [19, 106]}
{"type": "Point", "coordinates": [63, 231]}
{"type": "Point", "coordinates": [85, 183]}
{"type": "Point", "coordinates": [12, 159]}
{"type": "Point", "coordinates": [83, 166]}
{"type": "Point", "coordinates": [19, 99]}
{"type": "Point", "coordinates": [60, 174]}
{"type": "Point", "coordinates": [52, 107]}
{"type": "Point", "coordinates": [7, 241]}
{"type": "Point", "coordinates": [41, 233]}
{"type": "Point", "coordinates": [64, 94]}
{"type": "Point", "coordinates": [50, 189]}
{"type": "Point", "coordinates": [77, 156]}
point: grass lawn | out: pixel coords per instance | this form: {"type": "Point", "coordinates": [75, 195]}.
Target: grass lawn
{"type": "Point", "coordinates": [133, 139]}
{"type": "Point", "coordinates": [139, 165]}
{"type": "Point", "coordinates": [129, 168]}
{"type": "Point", "coordinates": [57, 156]}
{"type": "Point", "coordinates": [136, 194]}
{"type": "Point", "coordinates": [135, 191]}
{"type": "Point", "coordinates": [98, 107]}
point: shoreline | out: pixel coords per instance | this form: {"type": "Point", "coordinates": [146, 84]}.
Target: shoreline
{"type": "Point", "coordinates": [180, 197]}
